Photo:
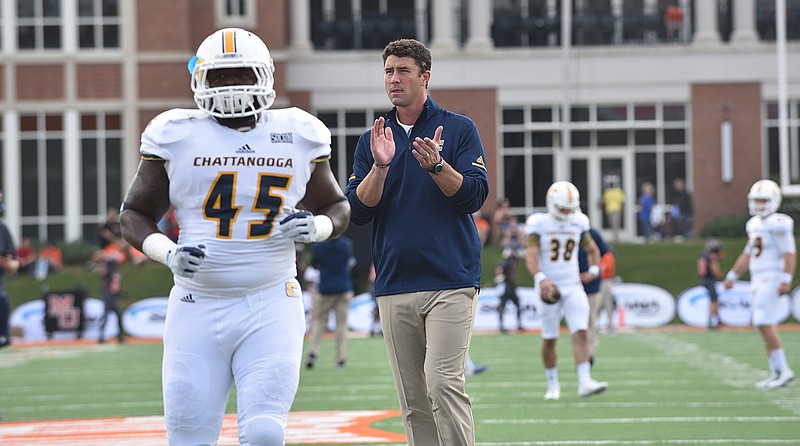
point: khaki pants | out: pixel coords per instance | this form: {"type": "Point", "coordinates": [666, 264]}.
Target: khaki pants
{"type": "Point", "coordinates": [323, 304]}
{"type": "Point", "coordinates": [427, 336]}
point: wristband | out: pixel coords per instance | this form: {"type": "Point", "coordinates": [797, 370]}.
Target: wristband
{"type": "Point", "coordinates": [786, 278]}
{"type": "Point", "coordinates": [732, 276]}
{"type": "Point", "coordinates": [157, 246]}
{"type": "Point", "coordinates": [382, 166]}
{"type": "Point", "coordinates": [538, 277]}
{"type": "Point", "coordinates": [323, 226]}
{"type": "Point", "coordinates": [594, 269]}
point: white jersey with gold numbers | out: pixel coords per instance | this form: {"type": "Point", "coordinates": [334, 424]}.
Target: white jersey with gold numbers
{"type": "Point", "coordinates": [231, 188]}
{"type": "Point", "coordinates": [768, 239]}
{"type": "Point", "coordinates": [559, 241]}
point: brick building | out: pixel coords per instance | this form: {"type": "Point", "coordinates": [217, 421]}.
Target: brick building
{"type": "Point", "coordinates": [81, 79]}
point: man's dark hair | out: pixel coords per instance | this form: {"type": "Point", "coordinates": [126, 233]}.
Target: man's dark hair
{"type": "Point", "coordinates": [409, 48]}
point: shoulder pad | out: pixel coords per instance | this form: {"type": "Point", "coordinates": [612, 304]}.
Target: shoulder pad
{"type": "Point", "coordinates": [310, 128]}
{"type": "Point", "coordinates": [779, 223]}
{"type": "Point", "coordinates": [582, 220]}
{"type": "Point", "coordinates": [532, 223]}
{"type": "Point", "coordinates": [172, 125]}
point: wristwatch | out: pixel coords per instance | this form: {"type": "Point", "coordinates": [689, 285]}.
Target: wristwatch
{"type": "Point", "coordinates": [437, 168]}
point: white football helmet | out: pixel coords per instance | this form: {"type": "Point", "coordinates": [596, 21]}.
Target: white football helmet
{"type": "Point", "coordinates": [563, 200]}
{"type": "Point", "coordinates": [764, 198]}
{"type": "Point", "coordinates": [233, 48]}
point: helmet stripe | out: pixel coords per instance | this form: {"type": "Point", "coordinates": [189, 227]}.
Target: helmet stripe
{"type": "Point", "coordinates": [229, 41]}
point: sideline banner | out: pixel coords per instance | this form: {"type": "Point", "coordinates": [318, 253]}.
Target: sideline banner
{"type": "Point", "coordinates": [638, 306]}
{"type": "Point", "coordinates": [734, 305]}
{"type": "Point", "coordinates": [28, 321]}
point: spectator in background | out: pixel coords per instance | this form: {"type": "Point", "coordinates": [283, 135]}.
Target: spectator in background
{"type": "Point", "coordinates": [613, 199]}
{"type": "Point", "coordinates": [608, 274]}
{"type": "Point", "coordinates": [506, 275]}
{"type": "Point", "coordinates": [169, 225]}
{"type": "Point", "coordinates": [645, 214]}
{"type": "Point", "coordinates": [593, 288]}
{"type": "Point", "coordinates": [483, 226]}
{"type": "Point", "coordinates": [500, 218]}
{"type": "Point", "coordinates": [683, 216]}
{"type": "Point", "coordinates": [673, 22]}
{"type": "Point", "coordinates": [26, 256]}
{"type": "Point", "coordinates": [513, 238]}
{"type": "Point", "coordinates": [334, 260]}
{"type": "Point", "coordinates": [709, 271]}
{"type": "Point", "coordinates": [50, 260]}
{"type": "Point", "coordinates": [108, 263]}
{"type": "Point", "coordinates": [8, 264]}
{"type": "Point", "coordinates": [109, 231]}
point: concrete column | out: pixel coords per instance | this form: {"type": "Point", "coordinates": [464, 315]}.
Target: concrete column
{"type": "Point", "coordinates": [480, 13]}
{"type": "Point", "coordinates": [442, 28]}
{"type": "Point", "coordinates": [744, 22]}
{"type": "Point", "coordinates": [73, 198]}
{"type": "Point", "coordinates": [300, 32]}
{"type": "Point", "coordinates": [706, 15]}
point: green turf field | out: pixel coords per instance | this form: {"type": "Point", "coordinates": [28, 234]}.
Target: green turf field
{"type": "Point", "coordinates": [673, 386]}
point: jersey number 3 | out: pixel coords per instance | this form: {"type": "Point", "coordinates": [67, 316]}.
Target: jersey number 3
{"type": "Point", "coordinates": [219, 203]}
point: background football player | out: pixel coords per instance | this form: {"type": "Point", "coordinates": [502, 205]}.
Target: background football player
{"type": "Point", "coordinates": [770, 257]}
{"type": "Point", "coordinates": [235, 171]}
{"type": "Point", "coordinates": [553, 240]}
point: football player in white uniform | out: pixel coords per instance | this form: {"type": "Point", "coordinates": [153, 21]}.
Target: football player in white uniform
{"type": "Point", "coordinates": [236, 172]}
{"type": "Point", "coordinates": [770, 256]}
{"type": "Point", "coordinates": [553, 240]}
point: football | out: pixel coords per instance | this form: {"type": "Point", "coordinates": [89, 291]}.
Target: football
{"type": "Point", "coordinates": [552, 297]}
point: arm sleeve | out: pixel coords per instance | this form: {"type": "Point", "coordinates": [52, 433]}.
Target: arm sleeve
{"type": "Point", "coordinates": [469, 162]}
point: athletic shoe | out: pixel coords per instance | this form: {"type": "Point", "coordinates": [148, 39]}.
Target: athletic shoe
{"type": "Point", "coordinates": [553, 393]}
{"type": "Point", "coordinates": [480, 368]}
{"type": "Point", "coordinates": [312, 358]}
{"type": "Point", "coordinates": [591, 387]}
{"type": "Point", "coordinates": [763, 383]}
{"type": "Point", "coordinates": [340, 364]}
{"type": "Point", "coordinates": [782, 380]}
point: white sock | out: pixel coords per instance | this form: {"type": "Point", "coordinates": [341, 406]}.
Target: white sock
{"type": "Point", "coordinates": [552, 377]}
{"type": "Point", "coordinates": [584, 373]}
{"type": "Point", "coordinates": [777, 360]}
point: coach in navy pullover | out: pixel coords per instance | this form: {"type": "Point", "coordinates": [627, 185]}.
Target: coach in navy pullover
{"type": "Point", "coordinates": [418, 245]}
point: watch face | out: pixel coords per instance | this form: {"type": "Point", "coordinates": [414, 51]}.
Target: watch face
{"type": "Point", "coordinates": [438, 168]}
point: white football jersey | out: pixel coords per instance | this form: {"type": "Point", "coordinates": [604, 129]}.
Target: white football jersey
{"type": "Point", "coordinates": [559, 241]}
{"type": "Point", "coordinates": [231, 189]}
{"type": "Point", "coordinates": [768, 239]}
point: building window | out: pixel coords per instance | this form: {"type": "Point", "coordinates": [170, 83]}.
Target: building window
{"type": "Point", "coordinates": [772, 126]}
{"type": "Point", "coordinates": [236, 12]}
{"type": "Point", "coordinates": [42, 188]}
{"type": "Point", "coordinates": [656, 135]}
{"type": "Point", "coordinates": [101, 160]}
{"type": "Point", "coordinates": [346, 127]}
{"type": "Point", "coordinates": [38, 24]}
{"type": "Point", "coordinates": [362, 24]}
{"type": "Point", "coordinates": [98, 24]}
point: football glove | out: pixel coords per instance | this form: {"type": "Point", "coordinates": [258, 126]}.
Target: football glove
{"type": "Point", "coordinates": [184, 261]}
{"type": "Point", "coordinates": [305, 227]}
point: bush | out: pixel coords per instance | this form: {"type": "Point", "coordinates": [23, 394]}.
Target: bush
{"type": "Point", "coordinates": [727, 226]}
{"type": "Point", "coordinates": [78, 252]}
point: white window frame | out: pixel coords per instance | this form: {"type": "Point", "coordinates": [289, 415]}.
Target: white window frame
{"type": "Point", "coordinates": [246, 20]}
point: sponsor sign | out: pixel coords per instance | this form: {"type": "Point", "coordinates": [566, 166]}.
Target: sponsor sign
{"type": "Point", "coordinates": [145, 318]}
{"type": "Point", "coordinates": [28, 320]}
{"type": "Point", "coordinates": [639, 305]}
{"type": "Point", "coordinates": [734, 305]}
